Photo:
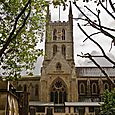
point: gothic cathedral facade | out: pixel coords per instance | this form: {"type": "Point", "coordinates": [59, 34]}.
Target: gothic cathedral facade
{"type": "Point", "coordinates": [58, 77]}
{"type": "Point", "coordinates": [77, 89]}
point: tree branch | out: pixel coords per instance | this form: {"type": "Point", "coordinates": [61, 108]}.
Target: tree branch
{"type": "Point", "coordinates": [97, 45]}
{"type": "Point", "coordinates": [9, 39]}
{"type": "Point", "coordinates": [24, 22]}
{"type": "Point", "coordinates": [112, 6]}
{"type": "Point", "coordinates": [96, 26]}
{"type": "Point", "coordinates": [107, 10]}
{"type": "Point", "coordinates": [92, 35]}
{"type": "Point", "coordinates": [102, 70]}
{"type": "Point", "coordinates": [88, 19]}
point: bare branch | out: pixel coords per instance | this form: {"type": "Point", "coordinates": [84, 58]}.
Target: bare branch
{"type": "Point", "coordinates": [85, 56]}
{"type": "Point", "coordinates": [112, 6]}
{"type": "Point", "coordinates": [102, 70]}
{"type": "Point", "coordinates": [97, 26]}
{"type": "Point", "coordinates": [107, 10]}
{"type": "Point", "coordinates": [97, 45]}
{"type": "Point", "coordinates": [79, 19]}
{"type": "Point", "coordinates": [97, 15]}
{"type": "Point", "coordinates": [92, 35]}
{"type": "Point", "coordinates": [91, 11]}
{"type": "Point", "coordinates": [88, 19]}
{"type": "Point", "coordinates": [112, 42]}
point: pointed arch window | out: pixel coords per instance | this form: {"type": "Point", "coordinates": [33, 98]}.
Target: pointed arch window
{"type": "Point", "coordinates": [58, 66]}
{"type": "Point", "coordinates": [106, 86]}
{"type": "Point", "coordinates": [58, 92]}
{"type": "Point", "coordinates": [63, 34]}
{"type": "Point", "coordinates": [31, 90]}
{"type": "Point", "coordinates": [19, 88]}
{"type": "Point", "coordinates": [64, 50]}
{"type": "Point", "coordinates": [25, 88]}
{"type": "Point", "coordinates": [36, 90]}
{"type": "Point", "coordinates": [54, 34]}
{"type": "Point", "coordinates": [82, 88]}
{"type": "Point", "coordinates": [54, 49]}
{"type": "Point", "coordinates": [94, 88]}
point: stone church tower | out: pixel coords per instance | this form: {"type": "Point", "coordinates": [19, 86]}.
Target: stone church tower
{"type": "Point", "coordinates": [58, 81]}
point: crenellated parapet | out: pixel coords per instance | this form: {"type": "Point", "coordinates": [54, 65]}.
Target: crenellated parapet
{"type": "Point", "coordinates": [58, 23]}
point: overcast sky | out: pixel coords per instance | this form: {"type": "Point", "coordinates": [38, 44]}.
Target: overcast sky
{"type": "Point", "coordinates": [88, 46]}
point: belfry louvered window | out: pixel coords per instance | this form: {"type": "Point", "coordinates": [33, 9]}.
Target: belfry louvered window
{"type": "Point", "coordinates": [54, 34]}
{"type": "Point", "coordinates": [63, 34]}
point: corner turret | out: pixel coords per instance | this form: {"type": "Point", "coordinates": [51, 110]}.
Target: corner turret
{"type": "Point", "coordinates": [48, 16]}
{"type": "Point", "coordinates": [70, 12]}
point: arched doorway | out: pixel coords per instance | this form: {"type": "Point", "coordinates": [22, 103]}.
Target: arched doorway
{"type": "Point", "coordinates": [58, 92]}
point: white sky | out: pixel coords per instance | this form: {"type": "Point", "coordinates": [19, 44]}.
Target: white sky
{"type": "Point", "coordinates": [88, 46]}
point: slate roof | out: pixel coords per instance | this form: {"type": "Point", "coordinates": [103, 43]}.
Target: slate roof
{"type": "Point", "coordinates": [94, 71]}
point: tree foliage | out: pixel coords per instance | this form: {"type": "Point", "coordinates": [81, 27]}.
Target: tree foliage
{"type": "Point", "coordinates": [21, 28]}
{"type": "Point", "coordinates": [22, 24]}
{"type": "Point", "coordinates": [108, 108]}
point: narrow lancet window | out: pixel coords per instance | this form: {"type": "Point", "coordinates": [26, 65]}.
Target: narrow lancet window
{"type": "Point", "coordinates": [94, 88]}
{"type": "Point", "coordinates": [36, 90]}
{"type": "Point", "coordinates": [19, 88]}
{"type": "Point", "coordinates": [63, 34]}
{"type": "Point", "coordinates": [54, 49]}
{"type": "Point", "coordinates": [82, 88]}
{"type": "Point", "coordinates": [106, 86]}
{"type": "Point", "coordinates": [54, 34]}
{"type": "Point", "coordinates": [25, 88]}
{"type": "Point", "coordinates": [64, 50]}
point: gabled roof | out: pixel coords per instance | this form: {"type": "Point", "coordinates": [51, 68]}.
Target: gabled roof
{"type": "Point", "coordinates": [58, 58]}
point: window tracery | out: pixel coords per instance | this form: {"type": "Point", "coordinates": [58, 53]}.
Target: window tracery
{"type": "Point", "coordinates": [58, 92]}
{"type": "Point", "coordinates": [58, 66]}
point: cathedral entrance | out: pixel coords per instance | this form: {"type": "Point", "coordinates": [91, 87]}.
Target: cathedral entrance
{"type": "Point", "coordinates": [58, 93]}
